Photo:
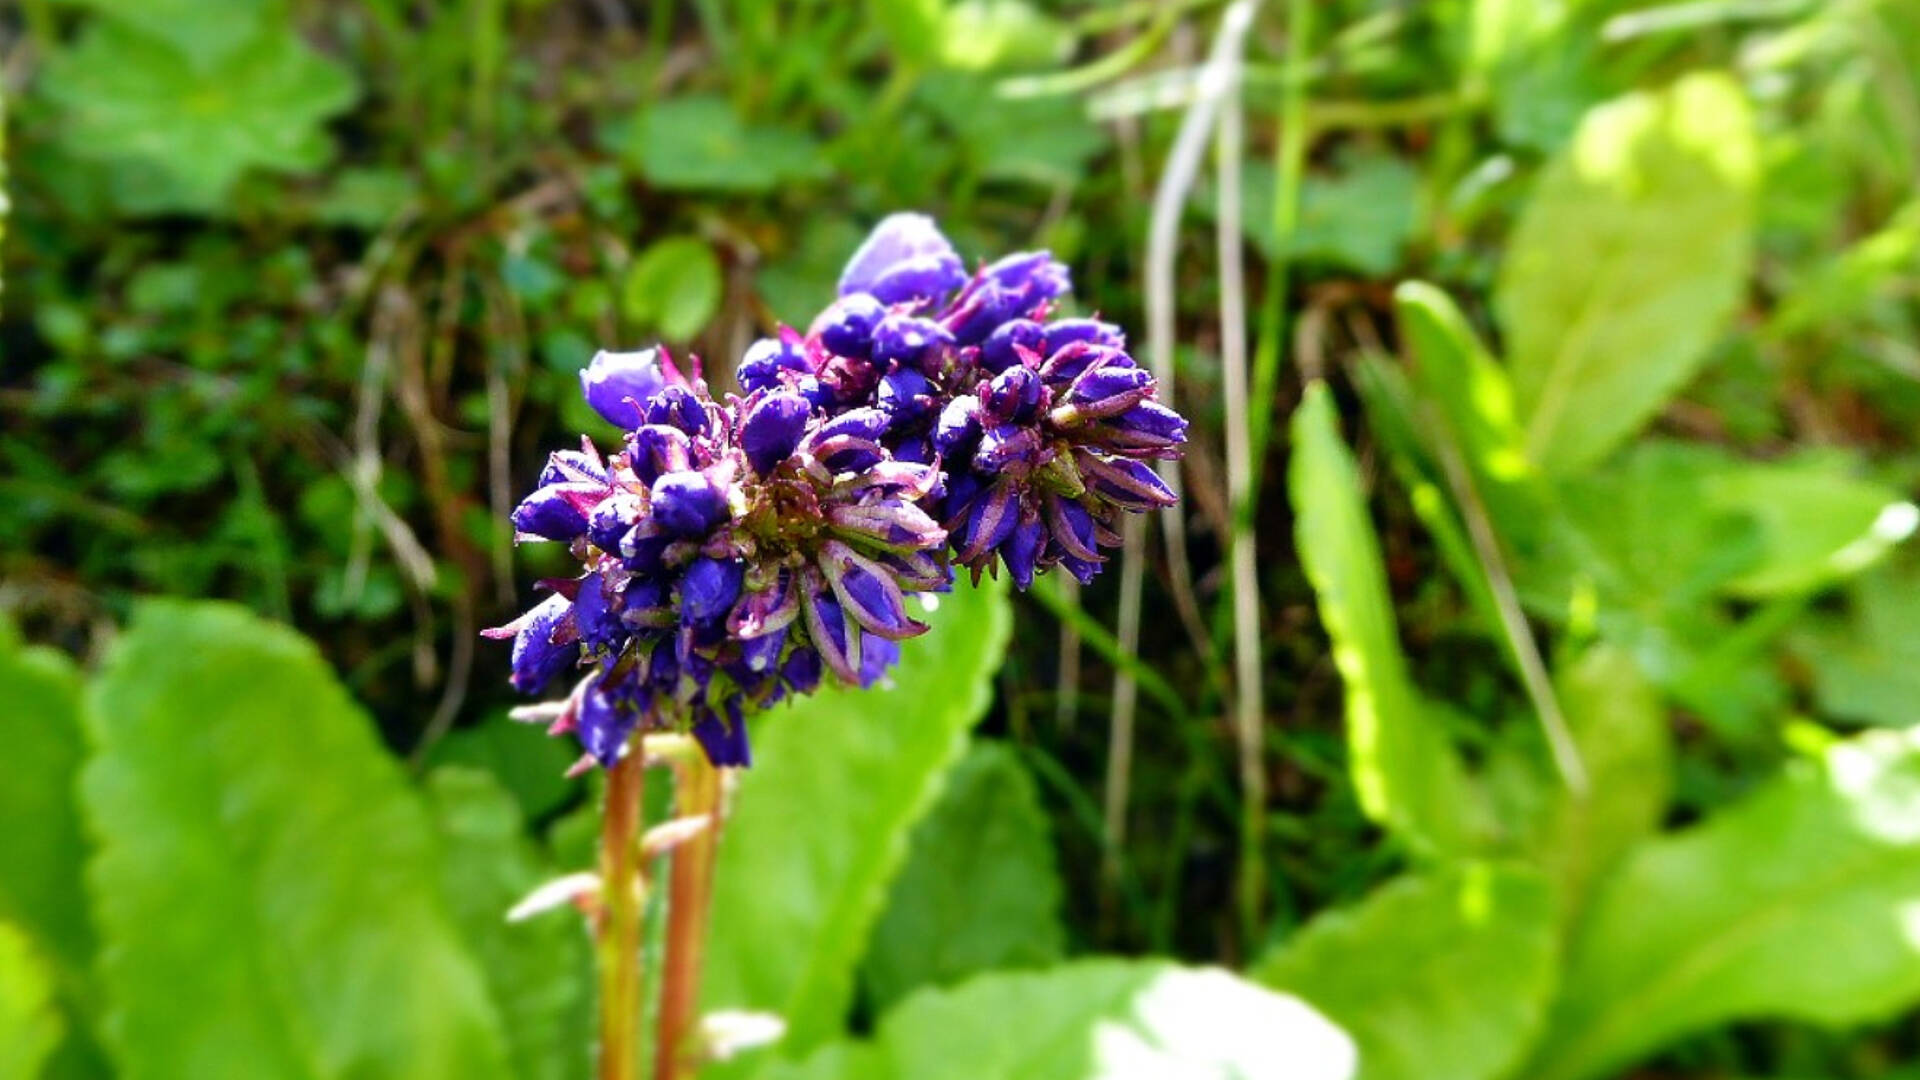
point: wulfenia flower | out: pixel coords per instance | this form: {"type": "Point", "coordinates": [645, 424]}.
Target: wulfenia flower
{"type": "Point", "coordinates": [733, 553]}
{"type": "Point", "coordinates": [1043, 428]}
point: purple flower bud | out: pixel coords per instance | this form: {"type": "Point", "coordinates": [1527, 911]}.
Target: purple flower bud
{"type": "Point", "coordinates": [986, 524]}
{"type": "Point", "coordinates": [1015, 287]}
{"type": "Point", "coordinates": [557, 511]}
{"type": "Point", "coordinates": [679, 407]}
{"type": "Point", "coordinates": [605, 724]}
{"type": "Point", "coordinates": [818, 393]}
{"type": "Point", "coordinates": [1071, 361]}
{"type": "Point", "coordinates": [1089, 331]}
{"type": "Point", "coordinates": [594, 615]}
{"type": "Point", "coordinates": [1004, 446]}
{"type": "Point", "coordinates": [901, 244]}
{"type": "Point", "coordinates": [868, 593]}
{"type": "Point", "coordinates": [572, 465]}
{"type": "Point", "coordinates": [1148, 425]}
{"type": "Point", "coordinates": [709, 588]}
{"type": "Point", "coordinates": [611, 520]}
{"type": "Point", "coordinates": [1071, 529]}
{"type": "Point", "coordinates": [998, 352]}
{"type": "Point", "coordinates": [687, 503]}
{"type": "Point", "coordinates": [906, 396]}
{"type": "Point", "coordinates": [906, 340]}
{"type": "Point", "coordinates": [850, 442]}
{"type": "Point", "coordinates": [923, 277]}
{"type": "Point", "coordinates": [892, 524]}
{"type": "Point", "coordinates": [762, 654]}
{"type": "Point", "coordinates": [846, 328]}
{"type": "Point", "coordinates": [766, 362]}
{"type": "Point", "coordinates": [544, 644]}
{"type": "Point", "coordinates": [1124, 482]}
{"type": "Point", "coordinates": [1023, 548]}
{"type": "Point", "coordinates": [801, 671]}
{"type": "Point", "coordinates": [827, 626]}
{"type": "Point", "coordinates": [877, 654]}
{"type": "Point", "coordinates": [764, 611]}
{"type": "Point", "coordinates": [656, 449]}
{"type": "Point", "coordinates": [616, 384]}
{"type": "Point", "coordinates": [1103, 391]}
{"type": "Point", "coordinates": [959, 426]}
{"type": "Point", "coordinates": [772, 430]}
{"type": "Point", "coordinates": [1012, 396]}
{"type": "Point", "coordinates": [725, 741]}
{"type": "Point", "coordinates": [1036, 275]}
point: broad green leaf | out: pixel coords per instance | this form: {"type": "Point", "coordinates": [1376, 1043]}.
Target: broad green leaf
{"type": "Point", "coordinates": [1408, 776]}
{"type": "Point", "coordinates": [530, 768]}
{"type": "Point", "coordinates": [1842, 287]}
{"type": "Point", "coordinates": [1104, 1019]}
{"type": "Point", "coordinates": [1536, 60]}
{"type": "Point", "coordinates": [186, 25]}
{"type": "Point", "coordinates": [989, 35]}
{"type": "Point", "coordinates": [540, 972]}
{"type": "Point", "coordinates": [1628, 258]}
{"type": "Point", "coordinates": [1796, 903]}
{"type": "Point", "coordinates": [29, 1022]}
{"type": "Point", "coordinates": [1443, 975]}
{"type": "Point", "coordinates": [980, 889]}
{"type": "Point", "coordinates": [266, 885]}
{"type": "Point", "coordinates": [41, 891]}
{"type": "Point", "coordinates": [187, 133]}
{"type": "Point", "coordinates": [674, 285]}
{"type": "Point", "coordinates": [1866, 667]}
{"type": "Point", "coordinates": [699, 143]}
{"type": "Point", "coordinates": [1043, 140]}
{"type": "Point", "coordinates": [1359, 217]}
{"type": "Point", "coordinates": [1817, 521]}
{"type": "Point", "coordinates": [821, 821]}
{"type": "Point", "coordinates": [1620, 727]}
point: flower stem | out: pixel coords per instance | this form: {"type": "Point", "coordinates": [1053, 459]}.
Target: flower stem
{"type": "Point", "coordinates": [696, 794]}
{"type": "Point", "coordinates": [618, 928]}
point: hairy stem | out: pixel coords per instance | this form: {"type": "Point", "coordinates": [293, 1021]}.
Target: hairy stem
{"type": "Point", "coordinates": [689, 902]}
{"type": "Point", "coordinates": [618, 928]}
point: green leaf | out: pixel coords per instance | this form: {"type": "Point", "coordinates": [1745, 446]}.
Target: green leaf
{"type": "Point", "coordinates": [1796, 903]}
{"type": "Point", "coordinates": [186, 133]}
{"type": "Point", "coordinates": [41, 891]}
{"type": "Point", "coordinates": [699, 143]}
{"type": "Point", "coordinates": [821, 821]}
{"type": "Point", "coordinates": [1537, 61]}
{"type": "Point", "coordinates": [990, 35]}
{"type": "Point", "coordinates": [539, 971]}
{"type": "Point", "coordinates": [1817, 521]}
{"type": "Point", "coordinates": [1359, 217]}
{"type": "Point", "coordinates": [29, 1022]}
{"type": "Point", "coordinates": [266, 883]}
{"type": "Point", "coordinates": [1866, 667]}
{"type": "Point", "coordinates": [1045, 140]}
{"type": "Point", "coordinates": [1627, 260]}
{"type": "Point", "coordinates": [1112, 1019]}
{"type": "Point", "coordinates": [185, 25]}
{"type": "Point", "coordinates": [674, 285]}
{"type": "Point", "coordinates": [1409, 778]}
{"type": "Point", "coordinates": [1445, 975]}
{"type": "Point", "coordinates": [1620, 727]}
{"type": "Point", "coordinates": [532, 769]}
{"type": "Point", "coordinates": [979, 890]}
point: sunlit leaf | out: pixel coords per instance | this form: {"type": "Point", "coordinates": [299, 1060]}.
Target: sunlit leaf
{"type": "Point", "coordinates": [675, 286]}
{"type": "Point", "coordinates": [29, 1023]}
{"type": "Point", "coordinates": [1445, 975]}
{"type": "Point", "coordinates": [821, 821]}
{"type": "Point", "coordinates": [266, 887]}
{"type": "Point", "coordinates": [540, 971]}
{"type": "Point", "coordinates": [979, 889]}
{"type": "Point", "coordinates": [189, 132]}
{"type": "Point", "coordinates": [1409, 777]}
{"type": "Point", "coordinates": [1104, 1019]}
{"type": "Point", "coordinates": [1625, 264]}
{"type": "Point", "coordinates": [1796, 903]}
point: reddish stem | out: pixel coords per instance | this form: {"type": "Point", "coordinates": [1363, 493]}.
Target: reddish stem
{"type": "Point", "coordinates": [696, 793]}
{"type": "Point", "coordinates": [618, 926]}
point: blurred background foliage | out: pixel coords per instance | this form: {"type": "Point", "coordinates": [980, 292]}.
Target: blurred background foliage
{"type": "Point", "coordinates": [295, 295]}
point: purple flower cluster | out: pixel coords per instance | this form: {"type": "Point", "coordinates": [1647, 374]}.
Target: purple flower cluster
{"type": "Point", "coordinates": [738, 551]}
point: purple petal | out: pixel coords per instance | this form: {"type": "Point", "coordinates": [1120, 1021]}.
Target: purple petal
{"type": "Point", "coordinates": [1011, 396]}
{"type": "Point", "coordinates": [868, 593]}
{"type": "Point", "coordinates": [616, 384]}
{"type": "Point", "coordinates": [772, 429]}
{"type": "Point", "coordinates": [1022, 548]}
{"type": "Point", "coordinates": [1124, 482]}
{"type": "Point", "coordinates": [557, 511]}
{"type": "Point", "coordinates": [830, 632]}
{"type": "Point", "coordinates": [687, 503]}
{"type": "Point", "coordinates": [801, 672]}
{"type": "Point", "coordinates": [605, 723]}
{"type": "Point", "coordinates": [767, 361]}
{"type": "Point", "coordinates": [846, 328]}
{"type": "Point", "coordinates": [1002, 447]}
{"type": "Point", "coordinates": [987, 525]}
{"type": "Point", "coordinates": [998, 352]}
{"type": "Point", "coordinates": [1091, 331]}
{"type": "Point", "coordinates": [877, 654]}
{"type": "Point", "coordinates": [898, 239]}
{"type": "Point", "coordinates": [709, 588]}
{"type": "Point", "coordinates": [575, 465]}
{"type": "Point", "coordinates": [959, 426]}
{"type": "Point", "coordinates": [544, 646]}
{"type": "Point", "coordinates": [724, 741]}
{"type": "Point", "coordinates": [1148, 425]}
{"type": "Point", "coordinates": [907, 340]}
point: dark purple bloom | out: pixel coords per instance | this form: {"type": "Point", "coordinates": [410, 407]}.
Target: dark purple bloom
{"type": "Point", "coordinates": [544, 643]}
{"type": "Point", "coordinates": [616, 384]}
{"type": "Point", "coordinates": [558, 511]}
{"type": "Point", "coordinates": [709, 589]}
{"type": "Point", "coordinates": [772, 429]}
{"type": "Point", "coordinates": [769, 362]}
{"type": "Point", "coordinates": [846, 328]}
{"type": "Point", "coordinates": [907, 340]}
{"type": "Point", "coordinates": [688, 503]}
{"type": "Point", "coordinates": [904, 258]}
{"type": "Point", "coordinates": [997, 353]}
{"type": "Point", "coordinates": [724, 740]}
